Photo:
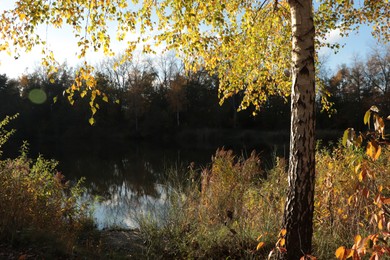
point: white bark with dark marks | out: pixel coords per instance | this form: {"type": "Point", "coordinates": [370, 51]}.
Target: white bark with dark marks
{"type": "Point", "coordinates": [298, 215]}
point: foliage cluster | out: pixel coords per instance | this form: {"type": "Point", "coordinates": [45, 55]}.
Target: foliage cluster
{"type": "Point", "coordinates": [221, 212]}
{"type": "Point", "coordinates": [37, 204]}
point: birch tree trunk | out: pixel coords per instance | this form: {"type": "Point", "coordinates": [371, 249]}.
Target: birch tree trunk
{"type": "Point", "coordinates": [298, 214]}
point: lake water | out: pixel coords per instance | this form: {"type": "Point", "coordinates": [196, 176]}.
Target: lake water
{"type": "Point", "coordinates": [126, 178]}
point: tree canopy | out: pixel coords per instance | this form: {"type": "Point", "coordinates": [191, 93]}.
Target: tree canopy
{"type": "Point", "coordinates": [246, 43]}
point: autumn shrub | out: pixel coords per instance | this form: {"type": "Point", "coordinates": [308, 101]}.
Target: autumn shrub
{"type": "Point", "coordinates": [219, 211]}
{"type": "Point", "coordinates": [351, 203]}
{"type": "Point", "coordinates": [37, 203]}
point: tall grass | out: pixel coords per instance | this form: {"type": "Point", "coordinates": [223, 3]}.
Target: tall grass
{"type": "Point", "coordinates": [218, 211]}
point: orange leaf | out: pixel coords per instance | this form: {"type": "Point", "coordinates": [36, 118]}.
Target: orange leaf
{"type": "Point", "coordinates": [349, 253]}
{"type": "Point", "coordinates": [340, 253]}
{"type": "Point", "coordinates": [358, 238]}
{"type": "Point", "coordinates": [373, 150]}
{"type": "Point", "coordinates": [283, 232]}
{"type": "Point", "coordinates": [259, 245]}
{"type": "Point", "coordinates": [386, 200]}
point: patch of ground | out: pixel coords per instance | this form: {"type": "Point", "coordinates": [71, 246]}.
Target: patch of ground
{"type": "Point", "coordinates": [105, 244]}
{"type": "Point", "coordinates": [125, 244]}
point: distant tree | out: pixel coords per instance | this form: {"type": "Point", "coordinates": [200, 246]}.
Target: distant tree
{"type": "Point", "coordinates": [140, 88]}
{"type": "Point", "coordinates": [378, 77]}
{"type": "Point", "coordinates": [9, 97]}
{"type": "Point", "coordinates": [176, 95]}
{"type": "Point", "coordinates": [168, 67]}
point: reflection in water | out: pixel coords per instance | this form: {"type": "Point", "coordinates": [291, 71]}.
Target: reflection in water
{"type": "Point", "coordinates": [123, 179]}
{"type": "Point", "coordinates": [122, 205]}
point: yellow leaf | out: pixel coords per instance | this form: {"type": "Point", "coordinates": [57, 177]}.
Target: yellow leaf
{"type": "Point", "coordinates": [380, 224]}
{"type": "Point", "coordinates": [91, 121]}
{"type": "Point", "coordinates": [55, 99]}
{"type": "Point", "coordinates": [357, 168]}
{"type": "Point", "coordinates": [259, 245]}
{"type": "Point", "coordinates": [117, 101]}
{"type": "Point", "coordinates": [367, 117]}
{"type": "Point", "coordinates": [105, 98]}
{"type": "Point", "coordinates": [346, 136]}
{"type": "Point", "coordinates": [350, 200]}
{"type": "Point", "coordinates": [340, 253]}
{"type": "Point", "coordinates": [282, 242]}
{"type": "Point", "coordinates": [22, 16]}
{"type": "Point", "coordinates": [362, 175]}
{"type": "Point", "coordinates": [283, 232]}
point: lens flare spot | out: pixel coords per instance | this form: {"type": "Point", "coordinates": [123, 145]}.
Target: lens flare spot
{"type": "Point", "coordinates": [37, 96]}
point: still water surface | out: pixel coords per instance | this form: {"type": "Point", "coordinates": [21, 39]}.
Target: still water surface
{"type": "Point", "coordinates": [126, 177]}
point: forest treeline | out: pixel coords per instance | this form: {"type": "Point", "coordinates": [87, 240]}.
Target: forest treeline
{"type": "Point", "coordinates": [154, 98]}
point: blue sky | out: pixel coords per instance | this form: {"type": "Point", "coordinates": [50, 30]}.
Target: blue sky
{"type": "Point", "coordinates": [358, 44]}
{"type": "Point", "coordinates": [64, 48]}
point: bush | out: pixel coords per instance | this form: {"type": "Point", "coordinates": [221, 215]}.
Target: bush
{"type": "Point", "coordinates": [36, 201]}
{"type": "Point", "coordinates": [361, 217]}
